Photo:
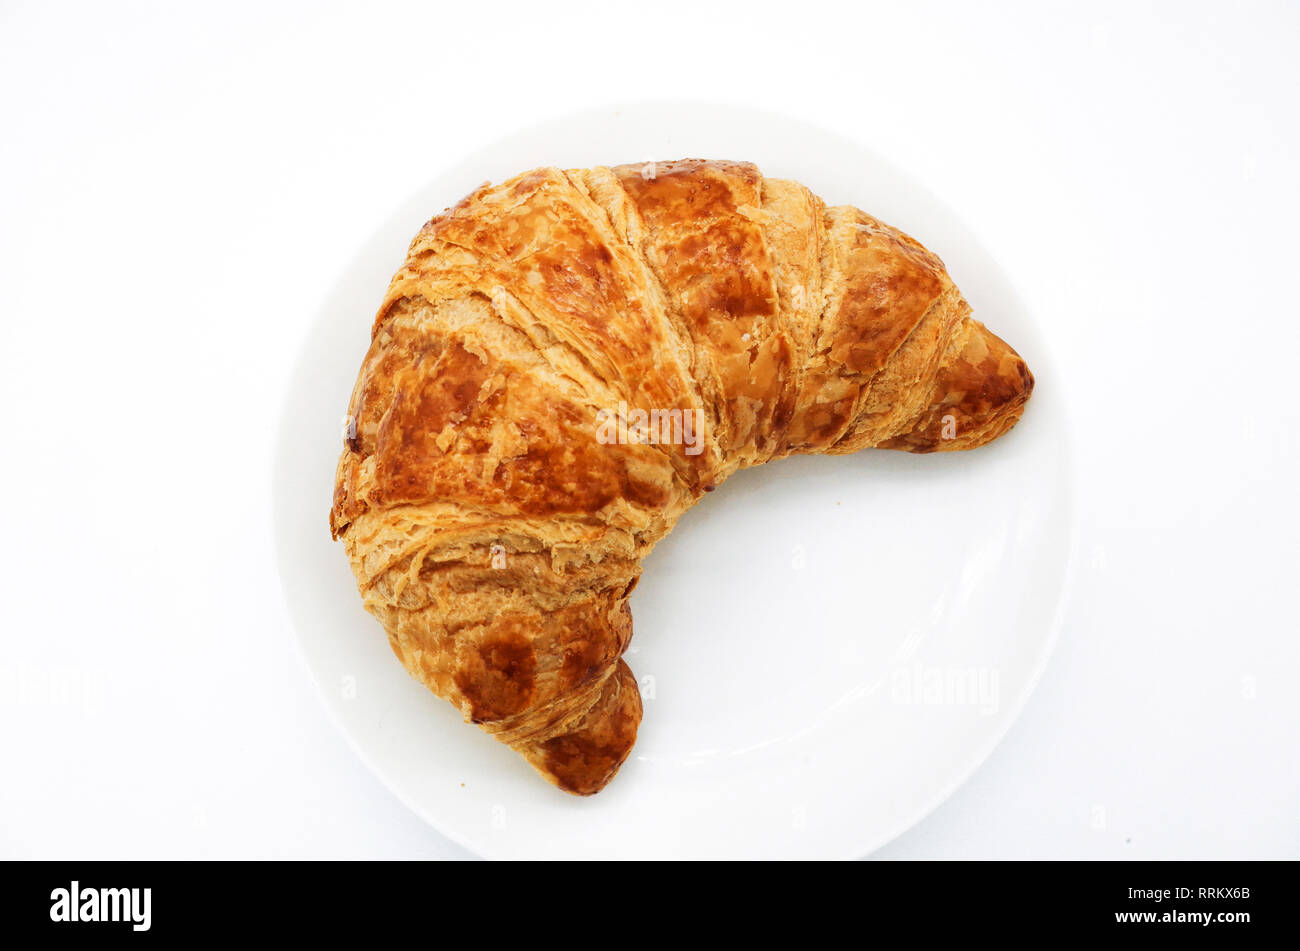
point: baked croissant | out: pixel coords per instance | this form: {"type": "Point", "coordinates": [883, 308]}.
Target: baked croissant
{"type": "Point", "coordinates": [567, 362]}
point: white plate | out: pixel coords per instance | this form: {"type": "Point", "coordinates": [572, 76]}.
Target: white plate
{"type": "Point", "coordinates": [827, 646]}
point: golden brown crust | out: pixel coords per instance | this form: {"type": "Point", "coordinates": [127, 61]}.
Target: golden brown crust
{"type": "Point", "coordinates": [705, 241]}
{"type": "Point", "coordinates": [497, 534]}
{"type": "Point", "coordinates": [586, 757]}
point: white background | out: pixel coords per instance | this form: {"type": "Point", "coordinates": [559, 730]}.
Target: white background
{"type": "Point", "coordinates": [178, 189]}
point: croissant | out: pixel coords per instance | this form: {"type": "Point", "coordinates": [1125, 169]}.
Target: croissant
{"type": "Point", "coordinates": [567, 362]}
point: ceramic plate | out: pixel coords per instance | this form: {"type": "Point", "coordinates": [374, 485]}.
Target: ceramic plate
{"type": "Point", "coordinates": [827, 646]}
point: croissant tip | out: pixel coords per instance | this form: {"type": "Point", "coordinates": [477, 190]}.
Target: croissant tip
{"type": "Point", "coordinates": [583, 761]}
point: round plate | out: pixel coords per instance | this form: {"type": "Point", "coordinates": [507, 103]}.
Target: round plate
{"type": "Point", "coordinates": [827, 646]}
